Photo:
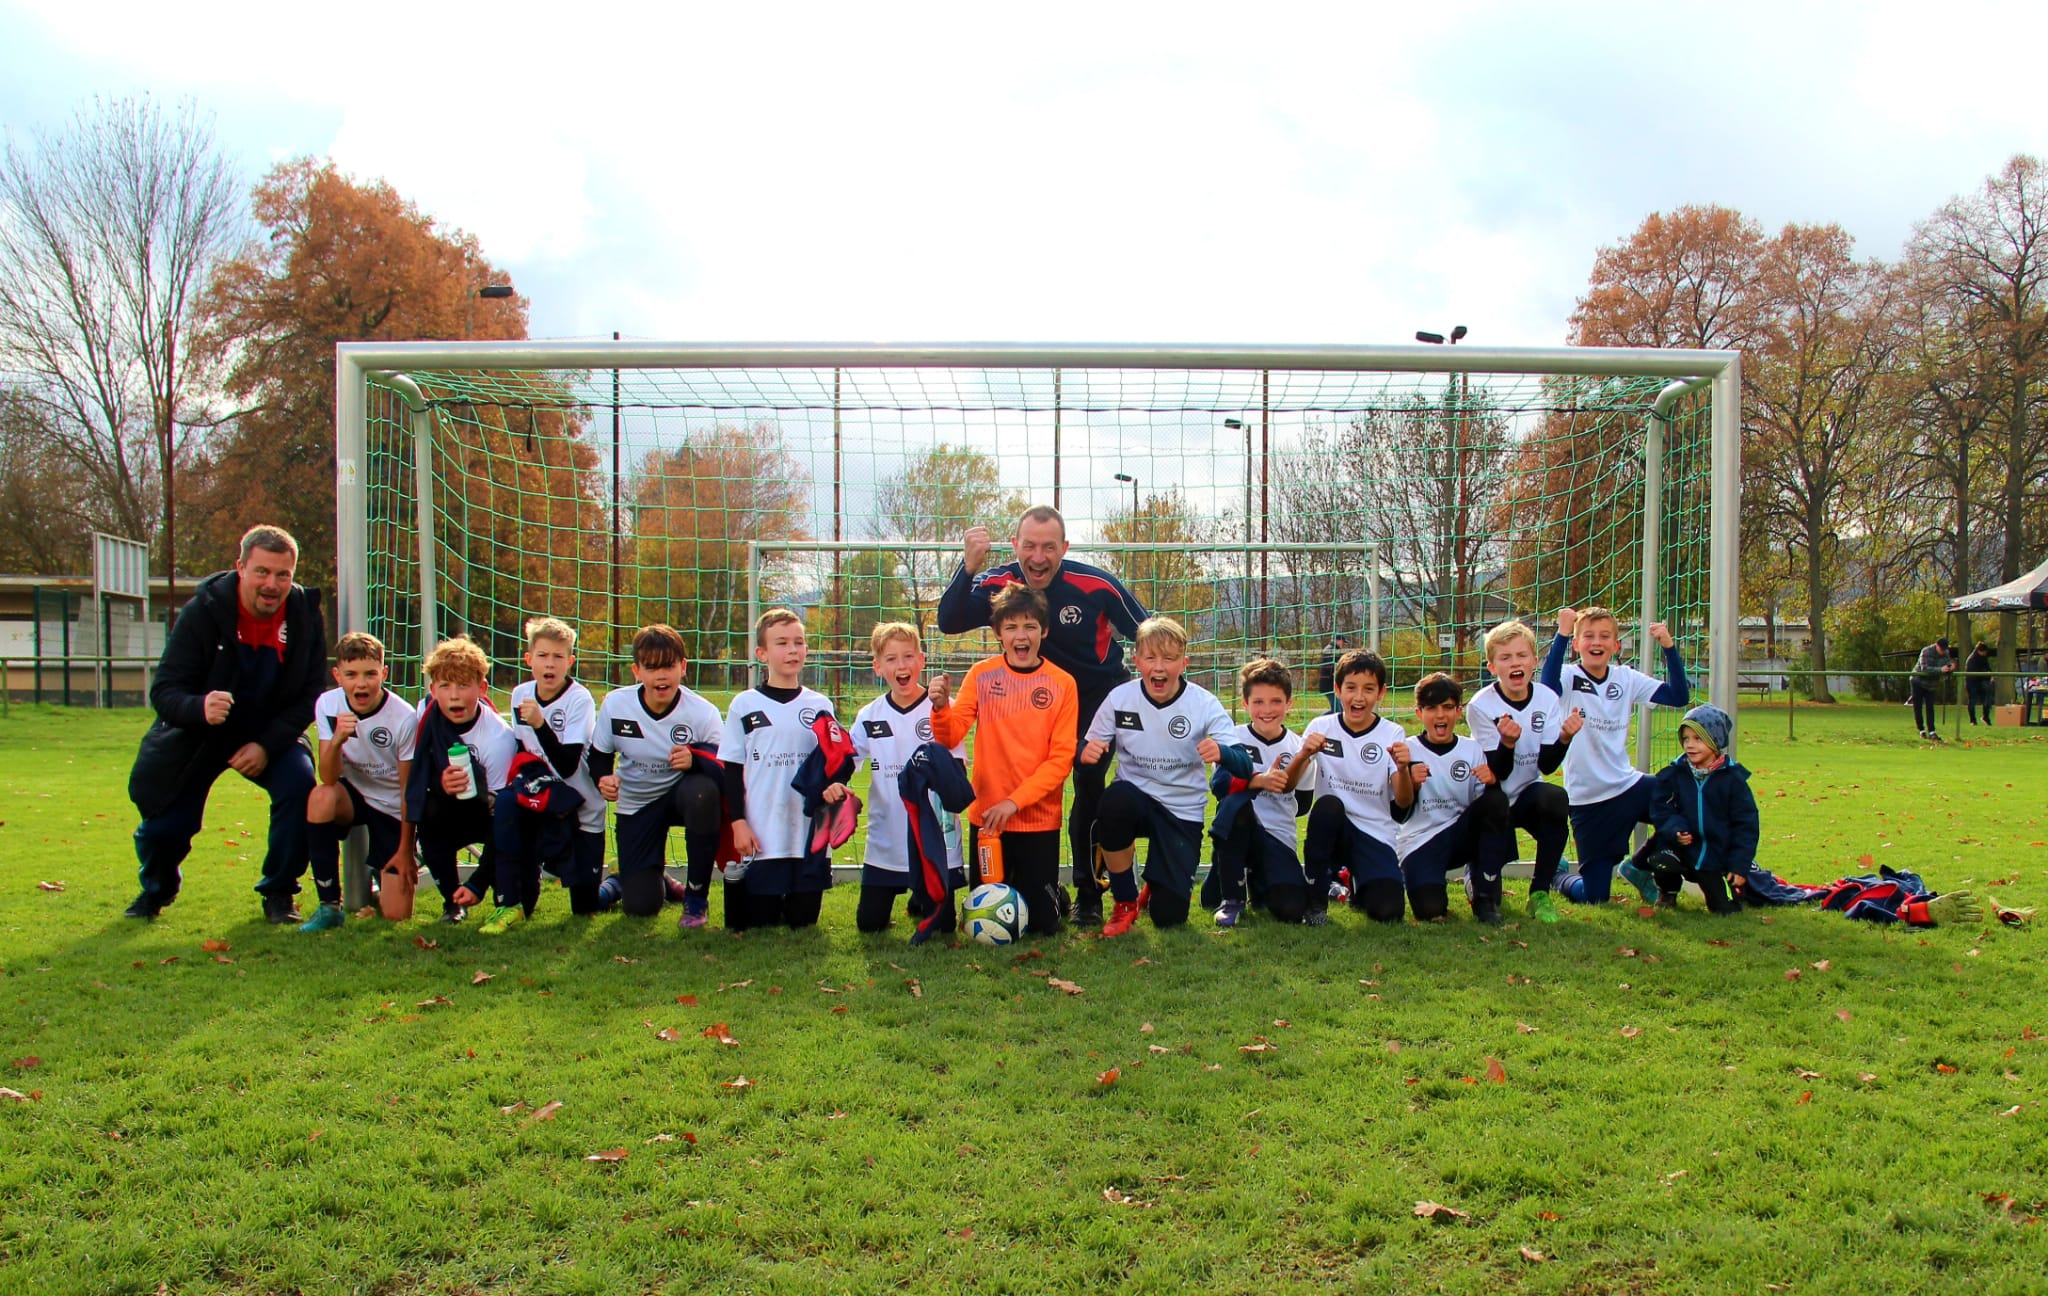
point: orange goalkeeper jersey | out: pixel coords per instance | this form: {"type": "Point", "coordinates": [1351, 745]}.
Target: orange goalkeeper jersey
{"type": "Point", "coordinates": [1024, 740]}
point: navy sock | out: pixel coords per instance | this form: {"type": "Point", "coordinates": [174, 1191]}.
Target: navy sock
{"type": "Point", "coordinates": [1124, 886]}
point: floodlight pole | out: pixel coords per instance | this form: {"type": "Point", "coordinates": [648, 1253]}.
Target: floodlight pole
{"type": "Point", "coordinates": [618, 526]}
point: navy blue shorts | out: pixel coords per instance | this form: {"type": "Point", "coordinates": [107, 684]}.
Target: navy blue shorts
{"type": "Point", "coordinates": [1431, 863]}
{"type": "Point", "coordinates": [1601, 829]}
{"type": "Point", "coordinates": [790, 876]}
{"type": "Point", "coordinates": [643, 836]}
{"type": "Point", "coordinates": [585, 865]}
{"type": "Point", "coordinates": [1173, 849]}
{"type": "Point", "coordinates": [384, 829]}
{"type": "Point", "coordinates": [1368, 858]}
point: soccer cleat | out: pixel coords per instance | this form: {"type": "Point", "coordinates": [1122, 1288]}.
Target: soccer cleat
{"type": "Point", "coordinates": [1229, 912]}
{"type": "Point", "coordinates": [1488, 913]}
{"type": "Point", "coordinates": [1144, 897]}
{"type": "Point", "coordinates": [453, 913]}
{"type": "Point", "coordinates": [696, 911]}
{"type": "Point", "coordinates": [1120, 918]}
{"type": "Point", "coordinates": [278, 910]}
{"type": "Point", "coordinates": [1316, 918]}
{"type": "Point", "coordinates": [326, 918]}
{"type": "Point", "coordinates": [1088, 911]}
{"type": "Point", "coordinates": [1641, 880]}
{"type": "Point", "coordinates": [501, 920]}
{"type": "Point", "coordinates": [144, 908]}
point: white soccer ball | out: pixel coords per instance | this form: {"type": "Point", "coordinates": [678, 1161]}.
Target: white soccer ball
{"type": "Point", "coordinates": [995, 914]}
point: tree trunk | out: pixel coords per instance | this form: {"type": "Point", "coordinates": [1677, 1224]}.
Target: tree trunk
{"type": "Point", "coordinates": [1816, 603]}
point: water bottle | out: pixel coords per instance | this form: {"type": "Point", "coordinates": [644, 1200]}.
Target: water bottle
{"type": "Point", "coordinates": [459, 758]}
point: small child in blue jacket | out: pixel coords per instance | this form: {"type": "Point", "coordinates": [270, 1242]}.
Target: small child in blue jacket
{"type": "Point", "coordinates": [1705, 815]}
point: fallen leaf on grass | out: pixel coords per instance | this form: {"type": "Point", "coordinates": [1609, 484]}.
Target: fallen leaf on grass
{"type": "Point", "coordinates": [1719, 944]}
{"type": "Point", "coordinates": [1804, 1074]}
{"type": "Point", "coordinates": [1212, 1066]}
{"type": "Point", "coordinates": [1065, 987]}
{"type": "Point", "coordinates": [1803, 1099]}
{"type": "Point", "coordinates": [1145, 1028]}
{"type": "Point", "coordinates": [1822, 965]}
{"type": "Point", "coordinates": [1157, 1048]}
{"type": "Point", "coordinates": [1944, 1068]}
{"type": "Point", "coordinates": [426, 944]}
{"type": "Point", "coordinates": [215, 946]}
{"type": "Point", "coordinates": [1282, 1023]}
{"type": "Point", "coordinates": [436, 1001]}
{"type": "Point", "coordinates": [480, 977]}
{"type": "Point", "coordinates": [965, 1234]}
{"type": "Point", "coordinates": [610, 1154]}
{"type": "Point", "coordinates": [741, 985]}
{"type": "Point", "coordinates": [1793, 974]}
{"type": "Point", "coordinates": [1626, 952]}
{"type": "Point", "coordinates": [1259, 1044]}
{"type": "Point", "coordinates": [15, 1095]}
{"type": "Point", "coordinates": [2011, 1111]}
{"type": "Point", "coordinates": [545, 1113]}
{"type": "Point", "coordinates": [669, 1034]}
{"type": "Point", "coordinates": [823, 988]}
{"type": "Point", "coordinates": [1548, 1215]}
{"type": "Point", "coordinates": [27, 1063]}
{"type": "Point", "coordinates": [515, 1107]}
{"type": "Point", "coordinates": [838, 1115]}
{"type": "Point", "coordinates": [1141, 961]}
{"type": "Point", "coordinates": [164, 962]}
{"type": "Point", "coordinates": [222, 958]}
{"type": "Point", "coordinates": [314, 1135]}
{"type": "Point", "coordinates": [1393, 1046]}
{"type": "Point", "coordinates": [1524, 1028]}
{"type": "Point", "coordinates": [49, 886]}
{"type": "Point", "coordinates": [1532, 1255]}
{"type": "Point", "coordinates": [1118, 1197]}
{"type": "Point", "coordinates": [621, 958]}
{"type": "Point", "coordinates": [1438, 1211]}
{"type": "Point", "coordinates": [717, 1031]}
{"type": "Point", "coordinates": [687, 1001]}
{"type": "Point", "coordinates": [1630, 1032]}
{"type": "Point", "coordinates": [738, 1082]}
{"type": "Point", "coordinates": [1844, 1014]}
{"type": "Point", "coordinates": [1495, 1071]}
{"type": "Point", "coordinates": [658, 1138]}
{"type": "Point", "coordinates": [1109, 1077]}
{"type": "Point", "coordinates": [916, 990]}
{"type": "Point", "coordinates": [839, 1008]}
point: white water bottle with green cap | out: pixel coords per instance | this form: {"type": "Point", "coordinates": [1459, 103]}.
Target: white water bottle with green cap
{"type": "Point", "coordinates": [459, 758]}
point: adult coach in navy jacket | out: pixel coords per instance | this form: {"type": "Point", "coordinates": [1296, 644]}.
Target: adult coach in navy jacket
{"type": "Point", "coordinates": [1090, 609]}
{"type": "Point", "coordinates": [234, 691]}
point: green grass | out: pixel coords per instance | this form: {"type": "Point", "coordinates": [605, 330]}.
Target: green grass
{"type": "Point", "coordinates": [1678, 1115]}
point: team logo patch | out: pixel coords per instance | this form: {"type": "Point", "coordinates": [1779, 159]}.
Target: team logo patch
{"type": "Point", "coordinates": [1041, 697]}
{"type": "Point", "coordinates": [834, 734]}
{"type": "Point", "coordinates": [1179, 727]}
{"type": "Point", "coordinates": [1258, 757]}
{"type": "Point", "coordinates": [380, 737]}
{"type": "Point", "coordinates": [1460, 771]}
{"type": "Point", "coordinates": [1580, 684]}
{"type": "Point", "coordinates": [924, 728]}
{"type": "Point", "coordinates": [1129, 720]}
{"type": "Point", "coordinates": [625, 728]}
{"type": "Point", "coordinates": [808, 716]}
{"type": "Point", "coordinates": [997, 688]}
{"type": "Point", "coordinates": [1613, 691]}
{"type": "Point", "coordinates": [753, 720]}
{"type": "Point", "coordinates": [558, 720]}
{"type": "Point", "coordinates": [1333, 747]}
{"type": "Point", "coordinates": [1371, 753]}
{"type": "Point", "coordinates": [1070, 615]}
{"type": "Point", "coordinates": [878, 729]}
{"type": "Point", "coordinates": [679, 735]}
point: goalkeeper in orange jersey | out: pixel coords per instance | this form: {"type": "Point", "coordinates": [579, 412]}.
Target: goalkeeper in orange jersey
{"type": "Point", "coordinates": [1023, 709]}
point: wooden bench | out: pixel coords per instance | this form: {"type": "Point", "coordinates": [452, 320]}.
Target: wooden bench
{"type": "Point", "coordinates": [1760, 687]}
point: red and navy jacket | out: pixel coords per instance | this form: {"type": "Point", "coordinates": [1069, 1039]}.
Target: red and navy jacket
{"type": "Point", "coordinates": [1090, 608]}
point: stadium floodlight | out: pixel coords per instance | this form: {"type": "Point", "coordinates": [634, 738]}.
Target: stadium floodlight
{"type": "Point", "coordinates": [495, 292]}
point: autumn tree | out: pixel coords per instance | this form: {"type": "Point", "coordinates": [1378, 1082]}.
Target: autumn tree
{"type": "Point", "coordinates": [1167, 582]}
{"type": "Point", "coordinates": [1319, 496]}
{"type": "Point", "coordinates": [42, 494]}
{"type": "Point", "coordinates": [940, 494]}
{"type": "Point", "coordinates": [109, 228]}
{"type": "Point", "coordinates": [337, 261]}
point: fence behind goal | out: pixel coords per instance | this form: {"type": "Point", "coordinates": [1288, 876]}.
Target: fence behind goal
{"type": "Point", "coordinates": [1274, 500]}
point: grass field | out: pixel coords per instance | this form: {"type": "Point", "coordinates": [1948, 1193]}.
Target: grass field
{"type": "Point", "coordinates": [1786, 1102]}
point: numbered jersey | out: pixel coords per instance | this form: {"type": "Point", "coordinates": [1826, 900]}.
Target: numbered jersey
{"type": "Point", "coordinates": [1276, 810]}
{"type": "Point", "coordinates": [885, 736]}
{"type": "Point", "coordinates": [1155, 742]}
{"type": "Point", "coordinates": [490, 742]}
{"type": "Point", "coordinates": [1355, 768]}
{"type": "Point", "coordinates": [1541, 717]}
{"type": "Point", "coordinates": [369, 759]}
{"type": "Point", "coordinates": [1596, 765]}
{"type": "Point", "coordinates": [1452, 786]}
{"type": "Point", "coordinates": [770, 739]}
{"type": "Point", "coordinates": [572, 717]}
{"type": "Point", "coordinates": [642, 740]}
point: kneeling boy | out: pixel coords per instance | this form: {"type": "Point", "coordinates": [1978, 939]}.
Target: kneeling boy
{"type": "Point", "coordinates": [363, 727]}
{"type": "Point", "coordinates": [887, 733]}
{"type": "Point", "coordinates": [1453, 814]}
{"type": "Point", "coordinates": [1351, 826]}
{"type": "Point", "coordinates": [460, 757]}
{"type": "Point", "coordinates": [1524, 729]}
{"type": "Point", "coordinates": [1256, 829]}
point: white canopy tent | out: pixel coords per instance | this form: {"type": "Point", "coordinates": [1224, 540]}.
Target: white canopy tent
{"type": "Point", "coordinates": [2027, 594]}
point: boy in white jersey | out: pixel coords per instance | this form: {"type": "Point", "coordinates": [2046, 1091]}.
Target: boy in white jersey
{"type": "Point", "coordinates": [552, 718]}
{"type": "Point", "coordinates": [649, 754]}
{"type": "Point", "coordinates": [1351, 825]}
{"type": "Point", "coordinates": [886, 732]}
{"type": "Point", "coordinates": [1255, 820]}
{"type": "Point", "coordinates": [769, 731]}
{"type": "Point", "coordinates": [1609, 796]}
{"type": "Point", "coordinates": [1164, 730]}
{"type": "Point", "coordinates": [1457, 818]}
{"type": "Point", "coordinates": [448, 795]}
{"type": "Point", "coordinates": [1523, 728]}
{"type": "Point", "coordinates": [363, 727]}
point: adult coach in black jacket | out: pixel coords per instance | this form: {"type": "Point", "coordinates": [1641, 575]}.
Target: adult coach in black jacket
{"type": "Point", "coordinates": [1090, 608]}
{"type": "Point", "coordinates": [234, 691]}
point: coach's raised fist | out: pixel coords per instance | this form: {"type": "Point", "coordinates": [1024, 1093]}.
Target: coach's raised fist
{"type": "Point", "coordinates": [940, 690]}
{"type": "Point", "coordinates": [1567, 620]}
{"type": "Point", "coordinates": [1661, 633]}
{"type": "Point", "coordinates": [974, 547]}
{"type": "Point", "coordinates": [218, 704]}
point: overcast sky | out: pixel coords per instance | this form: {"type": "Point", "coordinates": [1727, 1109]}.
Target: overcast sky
{"type": "Point", "coordinates": [1284, 173]}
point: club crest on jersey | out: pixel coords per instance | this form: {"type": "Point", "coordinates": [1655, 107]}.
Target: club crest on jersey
{"type": "Point", "coordinates": [808, 716]}
{"type": "Point", "coordinates": [1070, 615]}
{"type": "Point", "coordinates": [1613, 690]}
{"type": "Point", "coordinates": [1129, 720]}
{"type": "Point", "coordinates": [679, 735]}
{"type": "Point", "coordinates": [924, 728]}
{"type": "Point", "coordinates": [1580, 684]}
{"type": "Point", "coordinates": [1371, 753]}
{"type": "Point", "coordinates": [558, 720]}
{"type": "Point", "coordinates": [833, 733]}
{"type": "Point", "coordinates": [1041, 697]}
{"type": "Point", "coordinates": [1286, 759]}
{"type": "Point", "coordinates": [380, 737]}
{"type": "Point", "coordinates": [1178, 727]}
{"type": "Point", "coordinates": [753, 720]}
{"type": "Point", "coordinates": [625, 728]}
{"type": "Point", "coordinates": [878, 729]}
{"type": "Point", "coordinates": [1460, 771]}
{"type": "Point", "coordinates": [1539, 721]}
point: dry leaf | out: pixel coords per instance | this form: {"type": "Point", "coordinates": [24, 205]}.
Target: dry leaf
{"type": "Point", "coordinates": [215, 946]}
{"type": "Point", "coordinates": [222, 958]}
{"type": "Point", "coordinates": [1548, 1215]}
{"type": "Point", "coordinates": [426, 944]}
{"type": "Point", "coordinates": [1944, 1068]}
{"type": "Point", "coordinates": [687, 1001]}
{"type": "Point", "coordinates": [1259, 1044]}
{"type": "Point", "coordinates": [1119, 1197]}
{"type": "Point", "coordinates": [741, 985]}
{"type": "Point", "coordinates": [2010, 1111]}
{"type": "Point", "coordinates": [1532, 1255]}
{"type": "Point", "coordinates": [1141, 962]}
{"type": "Point", "coordinates": [1212, 1066]}
{"type": "Point", "coordinates": [545, 1113]}
{"type": "Point", "coordinates": [1393, 1046]}
{"type": "Point", "coordinates": [162, 962]}
{"type": "Point", "coordinates": [717, 1031]}
{"type": "Point", "coordinates": [1822, 965]}
{"type": "Point", "coordinates": [1282, 1023]}
{"type": "Point", "coordinates": [610, 1154]}
{"type": "Point", "coordinates": [823, 988]}
{"type": "Point", "coordinates": [839, 1008]}
{"type": "Point", "coordinates": [1158, 1048]}
{"type": "Point", "coordinates": [1438, 1211]}
{"type": "Point", "coordinates": [435, 1002]}
{"type": "Point", "coordinates": [1145, 1028]}
{"type": "Point", "coordinates": [1803, 1099]}
{"type": "Point", "coordinates": [916, 990]}
{"type": "Point", "coordinates": [668, 1033]}
{"type": "Point", "coordinates": [1630, 1032]}
{"type": "Point", "coordinates": [658, 1138]}
{"type": "Point", "coordinates": [480, 977]}
{"type": "Point", "coordinates": [515, 1107]}
{"type": "Point", "coordinates": [1626, 952]}
{"type": "Point", "coordinates": [49, 886]}
{"type": "Point", "coordinates": [14, 1095]}
{"type": "Point", "coordinates": [1524, 1028]}
{"type": "Point", "coordinates": [27, 1063]}
{"type": "Point", "coordinates": [1719, 944]}
{"type": "Point", "coordinates": [1844, 1014]}
{"type": "Point", "coordinates": [738, 1082]}
{"type": "Point", "coordinates": [1064, 987]}
{"type": "Point", "coordinates": [1495, 1071]}
{"type": "Point", "coordinates": [621, 958]}
{"type": "Point", "coordinates": [1109, 1077]}
{"type": "Point", "coordinates": [1792, 974]}
{"type": "Point", "coordinates": [838, 1115]}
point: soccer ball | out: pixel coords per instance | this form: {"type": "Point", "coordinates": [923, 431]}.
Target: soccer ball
{"type": "Point", "coordinates": [995, 914]}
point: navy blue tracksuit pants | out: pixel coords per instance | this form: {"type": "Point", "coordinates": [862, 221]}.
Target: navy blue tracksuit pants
{"type": "Point", "coordinates": [164, 840]}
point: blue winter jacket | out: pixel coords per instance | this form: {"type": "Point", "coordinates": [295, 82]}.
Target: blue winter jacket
{"type": "Point", "coordinates": [1719, 811]}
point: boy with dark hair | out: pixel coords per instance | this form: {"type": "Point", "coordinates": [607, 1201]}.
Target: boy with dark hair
{"type": "Point", "coordinates": [1451, 811]}
{"type": "Point", "coordinates": [1524, 728]}
{"type": "Point", "coordinates": [1351, 826]}
{"type": "Point", "coordinates": [1256, 817]}
{"type": "Point", "coordinates": [652, 754]}
{"type": "Point", "coordinates": [363, 727]}
{"type": "Point", "coordinates": [1163, 730]}
{"type": "Point", "coordinates": [1021, 708]}
{"type": "Point", "coordinates": [1609, 796]}
{"type": "Point", "coordinates": [460, 756]}
{"type": "Point", "coordinates": [887, 733]}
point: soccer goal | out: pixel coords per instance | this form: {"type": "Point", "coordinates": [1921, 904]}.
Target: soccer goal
{"type": "Point", "coordinates": [1276, 499]}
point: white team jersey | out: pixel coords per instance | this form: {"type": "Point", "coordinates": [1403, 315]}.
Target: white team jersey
{"type": "Point", "coordinates": [1541, 717]}
{"type": "Point", "coordinates": [1452, 786]}
{"type": "Point", "coordinates": [1155, 744]}
{"type": "Point", "coordinates": [1596, 765]}
{"type": "Point", "coordinates": [573, 717]}
{"type": "Point", "coordinates": [369, 759]}
{"type": "Point", "coordinates": [642, 740]}
{"type": "Point", "coordinates": [771, 739]}
{"type": "Point", "coordinates": [1356, 769]}
{"type": "Point", "coordinates": [1276, 809]}
{"type": "Point", "coordinates": [886, 736]}
{"type": "Point", "coordinates": [490, 742]}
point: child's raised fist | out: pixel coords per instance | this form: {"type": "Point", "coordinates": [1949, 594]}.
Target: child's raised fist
{"type": "Point", "coordinates": [1208, 751]}
{"type": "Point", "coordinates": [1567, 621]}
{"type": "Point", "coordinates": [940, 690]}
